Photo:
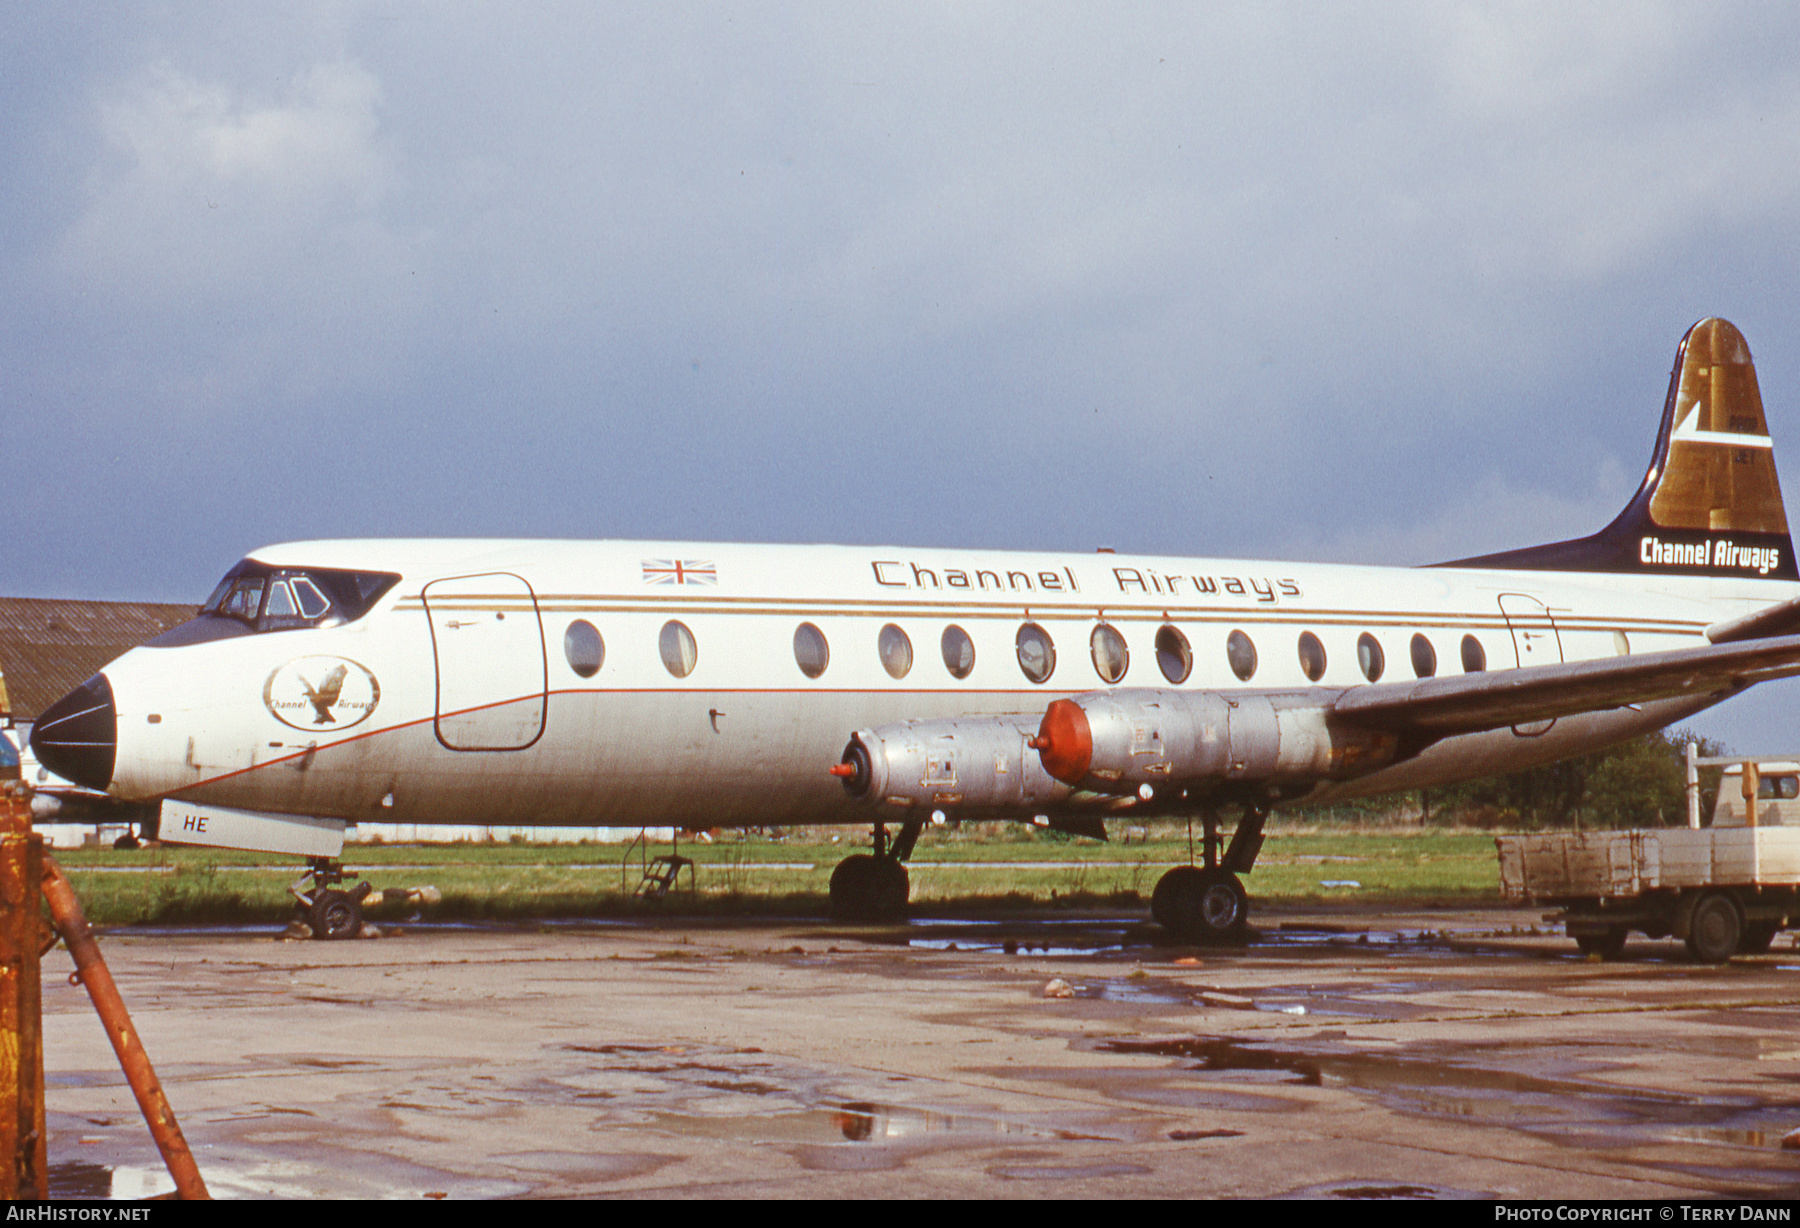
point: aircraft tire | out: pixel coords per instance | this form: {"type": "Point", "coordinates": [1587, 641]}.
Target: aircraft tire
{"type": "Point", "coordinates": [1715, 928]}
{"type": "Point", "coordinates": [1609, 945]}
{"type": "Point", "coordinates": [850, 884]}
{"type": "Point", "coordinates": [1203, 905]}
{"type": "Point", "coordinates": [335, 915]}
{"type": "Point", "coordinates": [1177, 883]}
{"type": "Point", "coordinates": [892, 889]}
{"type": "Point", "coordinates": [867, 888]}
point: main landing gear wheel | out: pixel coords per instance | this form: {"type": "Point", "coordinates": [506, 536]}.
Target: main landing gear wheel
{"type": "Point", "coordinates": [869, 888]}
{"type": "Point", "coordinates": [1715, 928]}
{"type": "Point", "coordinates": [1609, 945]}
{"type": "Point", "coordinates": [1176, 884]}
{"type": "Point", "coordinates": [1203, 905]}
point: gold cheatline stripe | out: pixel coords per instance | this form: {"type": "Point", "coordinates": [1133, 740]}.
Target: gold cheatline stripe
{"type": "Point", "coordinates": [1013, 602]}
{"type": "Point", "coordinates": [1013, 611]}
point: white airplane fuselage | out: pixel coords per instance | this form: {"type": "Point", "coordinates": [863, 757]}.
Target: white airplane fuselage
{"type": "Point", "coordinates": [460, 701]}
{"type": "Point", "coordinates": [673, 684]}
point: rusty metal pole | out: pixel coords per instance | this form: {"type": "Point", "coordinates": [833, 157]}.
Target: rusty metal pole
{"type": "Point", "coordinates": [91, 969]}
{"type": "Point", "coordinates": [24, 1172]}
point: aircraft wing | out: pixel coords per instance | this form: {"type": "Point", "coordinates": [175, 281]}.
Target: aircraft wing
{"type": "Point", "coordinates": [1470, 703]}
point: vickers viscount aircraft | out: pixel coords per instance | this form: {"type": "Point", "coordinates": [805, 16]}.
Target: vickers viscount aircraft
{"type": "Point", "coordinates": [673, 684]}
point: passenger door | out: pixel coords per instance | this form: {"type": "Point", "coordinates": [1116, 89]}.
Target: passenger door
{"type": "Point", "coordinates": [1535, 642]}
{"type": "Point", "coordinates": [492, 676]}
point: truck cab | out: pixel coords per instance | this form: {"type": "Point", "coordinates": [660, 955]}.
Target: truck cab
{"type": "Point", "coordinates": [1777, 796]}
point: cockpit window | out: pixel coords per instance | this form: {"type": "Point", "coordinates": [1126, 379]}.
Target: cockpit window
{"type": "Point", "coordinates": [254, 597]}
{"type": "Point", "coordinates": [281, 601]}
{"type": "Point", "coordinates": [313, 603]}
{"type": "Point", "coordinates": [242, 600]}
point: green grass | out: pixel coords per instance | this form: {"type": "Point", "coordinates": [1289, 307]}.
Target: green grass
{"type": "Point", "coordinates": [740, 874]}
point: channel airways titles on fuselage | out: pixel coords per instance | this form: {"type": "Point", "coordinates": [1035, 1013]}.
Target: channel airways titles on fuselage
{"type": "Point", "coordinates": [894, 573]}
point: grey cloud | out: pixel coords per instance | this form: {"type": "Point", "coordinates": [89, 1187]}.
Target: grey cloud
{"type": "Point", "coordinates": [1215, 280]}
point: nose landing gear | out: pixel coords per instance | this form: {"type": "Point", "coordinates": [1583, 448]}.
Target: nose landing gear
{"type": "Point", "coordinates": [874, 886]}
{"type": "Point", "coordinates": [1208, 903]}
{"type": "Point", "coordinates": [333, 913]}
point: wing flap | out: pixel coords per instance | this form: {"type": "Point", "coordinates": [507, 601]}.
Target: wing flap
{"type": "Point", "coordinates": [1470, 703]}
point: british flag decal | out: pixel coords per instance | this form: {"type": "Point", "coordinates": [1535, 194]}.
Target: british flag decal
{"type": "Point", "coordinates": [680, 571]}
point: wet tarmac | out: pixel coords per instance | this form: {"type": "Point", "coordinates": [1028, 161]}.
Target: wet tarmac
{"type": "Point", "coordinates": [1344, 1054]}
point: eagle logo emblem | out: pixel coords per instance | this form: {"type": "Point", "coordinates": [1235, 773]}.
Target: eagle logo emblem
{"type": "Point", "coordinates": [314, 693]}
{"type": "Point", "coordinates": [326, 694]}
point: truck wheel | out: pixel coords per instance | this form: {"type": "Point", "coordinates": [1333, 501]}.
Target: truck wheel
{"type": "Point", "coordinates": [1609, 945]}
{"type": "Point", "coordinates": [1757, 936]}
{"type": "Point", "coordinates": [1715, 928]}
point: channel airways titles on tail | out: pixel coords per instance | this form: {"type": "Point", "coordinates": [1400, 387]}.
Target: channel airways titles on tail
{"type": "Point", "coordinates": [656, 683]}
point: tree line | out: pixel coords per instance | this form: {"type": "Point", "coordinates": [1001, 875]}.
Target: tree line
{"type": "Point", "coordinates": [1640, 783]}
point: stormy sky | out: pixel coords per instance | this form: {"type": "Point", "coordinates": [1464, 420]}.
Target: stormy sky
{"type": "Point", "coordinates": [1377, 284]}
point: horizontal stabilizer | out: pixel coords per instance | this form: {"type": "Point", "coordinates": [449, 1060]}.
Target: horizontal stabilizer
{"type": "Point", "coordinates": [1782, 618]}
{"type": "Point", "coordinates": [1470, 703]}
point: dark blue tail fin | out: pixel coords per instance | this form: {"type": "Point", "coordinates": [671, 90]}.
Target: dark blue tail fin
{"type": "Point", "coordinates": [1710, 504]}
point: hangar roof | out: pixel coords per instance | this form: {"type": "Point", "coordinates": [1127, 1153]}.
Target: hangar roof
{"type": "Point", "coordinates": [48, 647]}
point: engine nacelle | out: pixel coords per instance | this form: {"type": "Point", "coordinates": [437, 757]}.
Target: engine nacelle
{"type": "Point", "coordinates": [1119, 741]}
{"type": "Point", "coordinates": [980, 763]}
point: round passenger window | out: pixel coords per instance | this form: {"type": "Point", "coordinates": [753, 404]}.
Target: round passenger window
{"type": "Point", "coordinates": [959, 652]}
{"type": "Point", "coordinates": [896, 651]}
{"type": "Point", "coordinates": [811, 653]}
{"type": "Point", "coordinates": [1241, 653]}
{"type": "Point", "coordinates": [1474, 656]}
{"type": "Point", "coordinates": [1312, 657]}
{"type": "Point", "coordinates": [1111, 658]}
{"type": "Point", "coordinates": [1369, 657]}
{"type": "Point", "coordinates": [1424, 657]}
{"type": "Point", "coordinates": [1037, 654]}
{"type": "Point", "coordinates": [678, 650]}
{"type": "Point", "coordinates": [584, 648]}
{"type": "Point", "coordinates": [1173, 655]}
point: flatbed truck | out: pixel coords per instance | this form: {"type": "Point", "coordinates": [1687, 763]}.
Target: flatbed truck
{"type": "Point", "coordinates": [1725, 884]}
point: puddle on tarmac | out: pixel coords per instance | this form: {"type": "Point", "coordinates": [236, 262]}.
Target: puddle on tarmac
{"type": "Point", "coordinates": [1377, 1191]}
{"type": "Point", "coordinates": [1596, 1113]}
{"type": "Point", "coordinates": [80, 1179]}
{"type": "Point", "coordinates": [745, 1096]}
{"type": "Point", "coordinates": [272, 1178]}
{"type": "Point", "coordinates": [855, 1122]}
{"type": "Point", "coordinates": [1065, 1172]}
{"type": "Point", "coordinates": [1089, 936]}
{"type": "Point", "coordinates": [1376, 1001]}
{"type": "Point", "coordinates": [1079, 936]}
{"type": "Point", "coordinates": [192, 931]}
{"type": "Point", "coordinates": [1225, 1055]}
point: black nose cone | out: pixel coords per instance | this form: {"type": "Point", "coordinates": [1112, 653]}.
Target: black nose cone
{"type": "Point", "coordinates": [77, 736]}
